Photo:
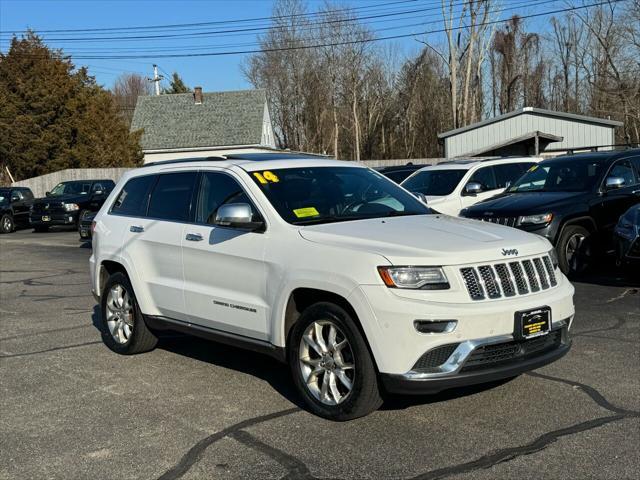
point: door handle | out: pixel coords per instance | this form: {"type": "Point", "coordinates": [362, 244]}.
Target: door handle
{"type": "Point", "coordinates": [136, 229]}
{"type": "Point", "coordinates": [194, 237]}
{"type": "Point", "coordinates": [636, 192]}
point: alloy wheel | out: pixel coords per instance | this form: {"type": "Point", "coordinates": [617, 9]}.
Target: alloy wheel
{"type": "Point", "coordinates": [119, 314]}
{"type": "Point", "coordinates": [573, 251]}
{"type": "Point", "coordinates": [326, 362]}
{"type": "Point", "coordinates": [6, 224]}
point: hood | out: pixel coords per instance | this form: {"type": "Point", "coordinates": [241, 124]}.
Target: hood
{"type": "Point", "coordinates": [68, 198]}
{"type": "Point", "coordinates": [427, 239]}
{"type": "Point", "coordinates": [514, 204]}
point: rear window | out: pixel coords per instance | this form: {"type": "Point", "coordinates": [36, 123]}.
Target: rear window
{"type": "Point", "coordinates": [171, 197]}
{"type": "Point", "coordinates": [507, 174]}
{"type": "Point", "coordinates": [133, 197]}
{"type": "Point", "coordinates": [434, 182]}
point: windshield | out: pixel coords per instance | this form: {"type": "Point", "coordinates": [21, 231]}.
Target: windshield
{"type": "Point", "coordinates": [304, 196]}
{"type": "Point", "coordinates": [74, 188]}
{"type": "Point", "coordinates": [434, 182]}
{"type": "Point", "coordinates": [560, 176]}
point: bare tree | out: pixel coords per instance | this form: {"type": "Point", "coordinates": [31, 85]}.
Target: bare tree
{"type": "Point", "coordinates": [126, 90]}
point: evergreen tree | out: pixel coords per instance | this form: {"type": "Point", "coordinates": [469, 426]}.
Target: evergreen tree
{"type": "Point", "coordinates": [53, 116]}
{"type": "Point", "coordinates": [176, 85]}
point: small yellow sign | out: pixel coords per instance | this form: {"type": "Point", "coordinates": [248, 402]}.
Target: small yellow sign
{"type": "Point", "coordinates": [260, 178]}
{"type": "Point", "coordinates": [306, 212]}
{"type": "Point", "coordinates": [270, 177]}
{"type": "Point", "coordinates": [533, 168]}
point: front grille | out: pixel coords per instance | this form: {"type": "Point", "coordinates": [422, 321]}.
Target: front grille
{"type": "Point", "coordinates": [506, 279]}
{"type": "Point", "coordinates": [48, 207]}
{"type": "Point", "coordinates": [508, 221]}
{"type": "Point", "coordinates": [434, 358]}
{"type": "Point", "coordinates": [489, 356]}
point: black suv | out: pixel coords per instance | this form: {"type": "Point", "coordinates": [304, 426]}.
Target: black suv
{"type": "Point", "coordinates": [14, 208]}
{"type": "Point", "coordinates": [67, 202]}
{"type": "Point", "coordinates": [573, 200]}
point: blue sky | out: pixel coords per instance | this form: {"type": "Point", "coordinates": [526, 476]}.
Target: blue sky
{"type": "Point", "coordinates": [211, 72]}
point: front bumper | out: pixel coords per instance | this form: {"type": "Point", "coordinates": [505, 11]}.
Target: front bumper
{"type": "Point", "coordinates": [495, 369]}
{"type": "Point", "coordinates": [51, 219]}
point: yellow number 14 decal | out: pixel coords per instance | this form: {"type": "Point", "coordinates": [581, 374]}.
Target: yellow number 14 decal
{"type": "Point", "coordinates": [266, 177]}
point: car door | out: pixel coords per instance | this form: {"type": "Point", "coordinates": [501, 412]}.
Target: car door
{"type": "Point", "coordinates": [98, 196]}
{"type": "Point", "coordinates": [614, 202]}
{"type": "Point", "coordinates": [20, 207]}
{"type": "Point", "coordinates": [487, 178]}
{"type": "Point", "coordinates": [153, 243]}
{"type": "Point", "coordinates": [224, 269]}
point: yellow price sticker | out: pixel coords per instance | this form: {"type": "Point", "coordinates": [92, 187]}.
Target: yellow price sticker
{"type": "Point", "coordinates": [260, 178]}
{"type": "Point", "coordinates": [306, 212]}
{"type": "Point", "coordinates": [533, 168]}
{"type": "Point", "coordinates": [270, 177]}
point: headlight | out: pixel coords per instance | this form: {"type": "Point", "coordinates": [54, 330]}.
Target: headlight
{"type": "Point", "coordinates": [539, 219]}
{"type": "Point", "coordinates": [71, 207]}
{"type": "Point", "coordinates": [414, 278]}
{"type": "Point", "coordinates": [554, 258]}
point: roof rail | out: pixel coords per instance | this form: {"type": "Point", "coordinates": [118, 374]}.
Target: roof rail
{"type": "Point", "coordinates": [184, 160]}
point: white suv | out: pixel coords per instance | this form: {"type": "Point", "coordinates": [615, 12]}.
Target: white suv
{"type": "Point", "coordinates": [330, 267]}
{"type": "Point", "coordinates": [451, 186]}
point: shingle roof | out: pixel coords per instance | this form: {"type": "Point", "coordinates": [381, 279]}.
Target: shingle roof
{"type": "Point", "coordinates": [535, 111]}
{"type": "Point", "coordinates": [224, 118]}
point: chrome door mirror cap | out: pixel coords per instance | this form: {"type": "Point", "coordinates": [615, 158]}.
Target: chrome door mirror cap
{"type": "Point", "coordinates": [473, 188]}
{"type": "Point", "coordinates": [237, 215]}
{"type": "Point", "coordinates": [613, 183]}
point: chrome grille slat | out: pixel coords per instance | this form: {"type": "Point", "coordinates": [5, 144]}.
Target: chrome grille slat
{"type": "Point", "coordinates": [489, 282]}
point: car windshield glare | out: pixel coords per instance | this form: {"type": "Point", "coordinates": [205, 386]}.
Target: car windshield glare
{"type": "Point", "coordinates": [73, 188]}
{"type": "Point", "coordinates": [434, 182]}
{"type": "Point", "coordinates": [315, 195]}
{"type": "Point", "coordinates": [559, 176]}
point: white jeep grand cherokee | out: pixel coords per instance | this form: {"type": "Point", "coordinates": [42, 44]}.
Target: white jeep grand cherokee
{"type": "Point", "coordinates": [327, 266]}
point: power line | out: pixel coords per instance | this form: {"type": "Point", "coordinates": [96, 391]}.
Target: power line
{"type": "Point", "coordinates": [343, 43]}
{"type": "Point", "coordinates": [219, 22]}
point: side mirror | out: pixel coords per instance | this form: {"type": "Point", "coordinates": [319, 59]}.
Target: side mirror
{"type": "Point", "coordinates": [420, 196]}
{"type": "Point", "coordinates": [98, 192]}
{"type": "Point", "coordinates": [473, 188]}
{"type": "Point", "coordinates": [48, 194]}
{"type": "Point", "coordinates": [237, 215]}
{"type": "Point", "coordinates": [613, 183]}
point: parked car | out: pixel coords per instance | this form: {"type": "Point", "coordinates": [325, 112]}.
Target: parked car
{"type": "Point", "coordinates": [65, 204]}
{"type": "Point", "coordinates": [574, 201]}
{"type": "Point", "coordinates": [627, 237]}
{"type": "Point", "coordinates": [14, 208]}
{"type": "Point", "coordinates": [330, 267]}
{"type": "Point", "coordinates": [84, 224]}
{"type": "Point", "coordinates": [450, 186]}
{"type": "Point", "coordinates": [398, 173]}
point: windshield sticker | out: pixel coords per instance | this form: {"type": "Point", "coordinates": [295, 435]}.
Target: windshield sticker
{"type": "Point", "coordinates": [306, 212]}
{"type": "Point", "coordinates": [533, 169]}
{"type": "Point", "coordinates": [266, 177]}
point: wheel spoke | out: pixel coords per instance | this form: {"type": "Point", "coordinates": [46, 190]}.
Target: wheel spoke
{"type": "Point", "coordinates": [319, 338]}
{"type": "Point", "coordinates": [335, 393]}
{"type": "Point", "coordinates": [332, 338]}
{"type": "Point", "coordinates": [324, 390]}
{"type": "Point", "coordinates": [312, 343]}
{"type": "Point", "coordinates": [313, 376]}
{"type": "Point", "coordinates": [343, 378]}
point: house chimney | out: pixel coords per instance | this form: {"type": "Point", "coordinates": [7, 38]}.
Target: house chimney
{"type": "Point", "coordinates": [197, 95]}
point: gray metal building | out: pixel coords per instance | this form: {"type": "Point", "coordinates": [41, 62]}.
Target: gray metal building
{"type": "Point", "coordinates": [530, 131]}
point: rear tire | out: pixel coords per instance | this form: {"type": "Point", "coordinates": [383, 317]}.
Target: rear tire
{"type": "Point", "coordinates": [574, 250]}
{"type": "Point", "coordinates": [342, 357]}
{"type": "Point", "coordinates": [6, 224]}
{"type": "Point", "coordinates": [123, 327]}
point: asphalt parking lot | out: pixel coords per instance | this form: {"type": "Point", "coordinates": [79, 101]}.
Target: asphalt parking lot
{"type": "Point", "coordinates": [70, 408]}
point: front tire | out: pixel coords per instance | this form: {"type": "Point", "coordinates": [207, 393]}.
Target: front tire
{"type": "Point", "coordinates": [574, 250]}
{"type": "Point", "coordinates": [331, 364]}
{"type": "Point", "coordinates": [6, 224]}
{"type": "Point", "coordinates": [123, 328]}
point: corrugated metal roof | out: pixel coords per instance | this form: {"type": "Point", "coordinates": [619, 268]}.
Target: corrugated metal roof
{"type": "Point", "coordinates": [537, 111]}
{"type": "Point", "coordinates": [175, 121]}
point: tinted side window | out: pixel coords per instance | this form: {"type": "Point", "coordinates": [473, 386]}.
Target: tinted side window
{"type": "Point", "coordinates": [171, 197]}
{"type": "Point", "coordinates": [508, 173]}
{"type": "Point", "coordinates": [485, 176]}
{"type": "Point", "coordinates": [623, 169]}
{"type": "Point", "coordinates": [217, 189]}
{"type": "Point", "coordinates": [636, 164]}
{"type": "Point", "coordinates": [27, 194]}
{"type": "Point", "coordinates": [134, 196]}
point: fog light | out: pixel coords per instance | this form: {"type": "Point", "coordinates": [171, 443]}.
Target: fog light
{"type": "Point", "coordinates": [435, 326]}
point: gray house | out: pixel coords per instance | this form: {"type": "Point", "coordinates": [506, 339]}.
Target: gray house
{"type": "Point", "coordinates": [530, 131]}
{"type": "Point", "coordinates": [203, 124]}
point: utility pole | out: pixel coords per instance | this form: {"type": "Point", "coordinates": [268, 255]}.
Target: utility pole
{"type": "Point", "coordinates": [156, 79]}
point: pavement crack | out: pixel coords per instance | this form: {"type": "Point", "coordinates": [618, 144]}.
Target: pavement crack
{"type": "Point", "coordinates": [194, 454]}
{"type": "Point", "coordinates": [296, 469]}
{"type": "Point", "coordinates": [54, 349]}
{"type": "Point", "coordinates": [507, 454]}
{"type": "Point", "coordinates": [628, 291]}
